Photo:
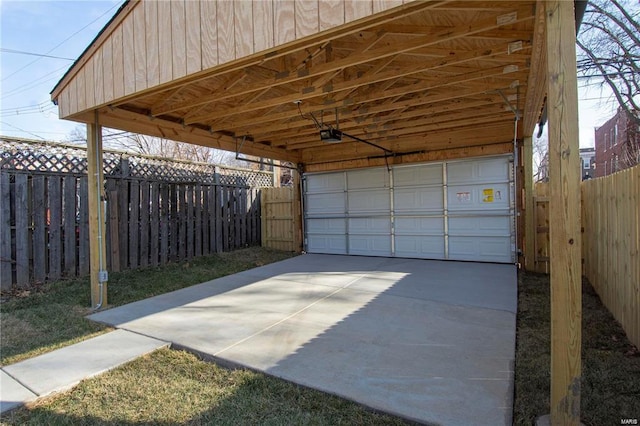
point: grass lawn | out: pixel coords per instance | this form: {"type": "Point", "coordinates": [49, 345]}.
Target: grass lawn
{"type": "Point", "coordinates": [52, 316]}
{"type": "Point", "coordinates": [610, 364]}
{"type": "Point", "coordinates": [174, 387]}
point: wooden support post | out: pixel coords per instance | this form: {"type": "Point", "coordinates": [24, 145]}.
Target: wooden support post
{"type": "Point", "coordinates": [297, 212]}
{"type": "Point", "coordinates": [564, 214]}
{"type": "Point", "coordinates": [529, 224]}
{"type": "Point", "coordinates": [97, 224]}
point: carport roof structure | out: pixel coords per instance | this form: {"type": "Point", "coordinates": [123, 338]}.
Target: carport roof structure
{"type": "Point", "coordinates": [413, 78]}
{"type": "Point", "coordinates": [405, 81]}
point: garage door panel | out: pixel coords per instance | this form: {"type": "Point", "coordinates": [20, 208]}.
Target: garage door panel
{"type": "Point", "coordinates": [327, 244]}
{"type": "Point", "coordinates": [493, 196]}
{"type": "Point", "coordinates": [328, 226]}
{"type": "Point", "coordinates": [325, 204]}
{"type": "Point", "coordinates": [325, 182]}
{"type": "Point", "coordinates": [478, 171]}
{"type": "Point", "coordinates": [370, 226]}
{"type": "Point", "coordinates": [489, 249]}
{"type": "Point", "coordinates": [480, 226]}
{"type": "Point", "coordinates": [418, 200]}
{"type": "Point", "coordinates": [426, 247]}
{"type": "Point", "coordinates": [459, 210]}
{"type": "Point", "coordinates": [370, 245]}
{"type": "Point", "coordinates": [368, 178]}
{"type": "Point", "coordinates": [372, 201]}
{"type": "Point", "coordinates": [419, 226]}
{"type": "Point", "coordinates": [421, 175]}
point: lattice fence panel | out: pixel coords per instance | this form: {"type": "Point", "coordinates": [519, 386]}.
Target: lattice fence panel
{"type": "Point", "coordinates": [34, 156]}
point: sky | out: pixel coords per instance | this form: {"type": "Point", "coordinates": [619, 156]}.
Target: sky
{"type": "Point", "coordinates": [65, 28]}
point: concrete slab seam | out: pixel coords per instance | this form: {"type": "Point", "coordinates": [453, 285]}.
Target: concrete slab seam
{"type": "Point", "coordinates": [288, 317]}
{"type": "Point", "coordinates": [20, 382]}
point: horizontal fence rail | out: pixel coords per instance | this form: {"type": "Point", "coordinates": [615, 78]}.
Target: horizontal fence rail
{"type": "Point", "coordinates": [45, 234]}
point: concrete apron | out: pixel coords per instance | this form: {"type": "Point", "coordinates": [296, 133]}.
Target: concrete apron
{"type": "Point", "coordinates": [430, 341]}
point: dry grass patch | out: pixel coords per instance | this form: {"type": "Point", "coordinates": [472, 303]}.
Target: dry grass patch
{"type": "Point", "coordinates": [52, 316]}
{"type": "Point", "coordinates": [610, 364]}
{"type": "Point", "coordinates": [175, 387]}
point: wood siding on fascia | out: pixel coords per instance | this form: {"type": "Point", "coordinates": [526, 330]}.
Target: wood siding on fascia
{"type": "Point", "coordinates": [158, 42]}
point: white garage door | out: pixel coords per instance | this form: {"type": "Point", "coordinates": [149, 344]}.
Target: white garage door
{"type": "Point", "coordinates": [458, 210]}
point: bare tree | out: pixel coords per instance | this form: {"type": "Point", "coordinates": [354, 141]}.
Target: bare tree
{"type": "Point", "coordinates": [609, 54]}
{"type": "Point", "coordinates": [149, 145]}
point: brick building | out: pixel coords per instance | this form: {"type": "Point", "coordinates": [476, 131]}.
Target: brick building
{"type": "Point", "coordinates": [612, 140]}
{"type": "Point", "coordinates": [587, 162]}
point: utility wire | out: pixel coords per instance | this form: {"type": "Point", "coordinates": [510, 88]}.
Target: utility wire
{"type": "Point", "coordinates": [61, 43]}
{"type": "Point", "coordinates": [22, 130]}
{"type": "Point", "coordinates": [33, 83]}
{"type": "Point", "coordinates": [21, 52]}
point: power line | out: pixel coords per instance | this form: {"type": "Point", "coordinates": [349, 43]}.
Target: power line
{"type": "Point", "coordinates": [22, 130]}
{"type": "Point", "coordinates": [38, 81]}
{"type": "Point", "coordinates": [21, 52]}
{"type": "Point", "coordinates": [61, 43]}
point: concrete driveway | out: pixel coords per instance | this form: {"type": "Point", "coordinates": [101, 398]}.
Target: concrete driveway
{"type": "Point", "coordinates": [430, 341]}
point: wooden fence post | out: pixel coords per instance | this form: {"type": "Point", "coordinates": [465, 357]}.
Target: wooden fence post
{"type": "Point", "coordinates": [564, 214]}
{"type": "Point", "coordinates": [529, 228]}
{"type": "Point", "coordinates": [96, 215]}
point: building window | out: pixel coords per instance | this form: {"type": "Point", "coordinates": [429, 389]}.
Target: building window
{"type": "Point", "coordinates": [615, 135]}
{"type": "Point", "coordinates": [605, 141]}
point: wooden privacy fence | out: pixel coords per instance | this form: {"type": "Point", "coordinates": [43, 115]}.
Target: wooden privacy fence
{"type": "Point", "coordinates": [281, 228]}
{"type": "Point", "coordinates": [44, 223]}
{"type": "Point", "coordinates": [611, 222]}
{"type": "Point", "coordinates": [610, 240]}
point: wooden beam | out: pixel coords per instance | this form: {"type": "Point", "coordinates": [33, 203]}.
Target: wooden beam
{"type": "Point", "coordinates": [564, 214]}
{"type": "Point", "coordinates": [449, 34]}
{"type": "Point", "coordinates": [139, 123]}
{"type": "Point", "coordinates": [444, 154]}
{"type": "Point", "coordinates": [529, 231]}
{"type": "Point", "coordinates": [97, 224]}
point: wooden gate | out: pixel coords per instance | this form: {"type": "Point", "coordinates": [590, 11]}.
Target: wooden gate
{"type": "Point", "coordinates": [281, 218]}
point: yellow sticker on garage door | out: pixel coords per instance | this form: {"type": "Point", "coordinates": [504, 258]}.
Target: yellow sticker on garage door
{"type": "Point", "coordinates": [487, 195]}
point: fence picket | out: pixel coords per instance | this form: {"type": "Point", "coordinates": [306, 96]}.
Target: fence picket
{"type": "Point", "coordinates": [123, 221]}
{"type": "Point", "coordinates": [22, 229]}
{"type": "Point", "coordinates": [189, 190]}
{"type": "Point", "coordinates": [145, 188]}
{"type": "Point", "coordinates": [39, 247]}
{"type": "Point", "coordinates": [154, 205]}
{"type": "Point", "coordinates": [6, 261]}
{"type": "Point", "coordinates": [134, 223]}
{"type": "Point", "coordinates": [164, 223]}
{"type": "Point", "coordinates": [54, 220]}
{"type": "Point", "coordinates": [147, 223]}
{"type": "Point", "coordinates": [69, 224]}
{"type": "Point", "coordinates": [83, 228]}
{"type": "Point", "coordinates": [197, 207]}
